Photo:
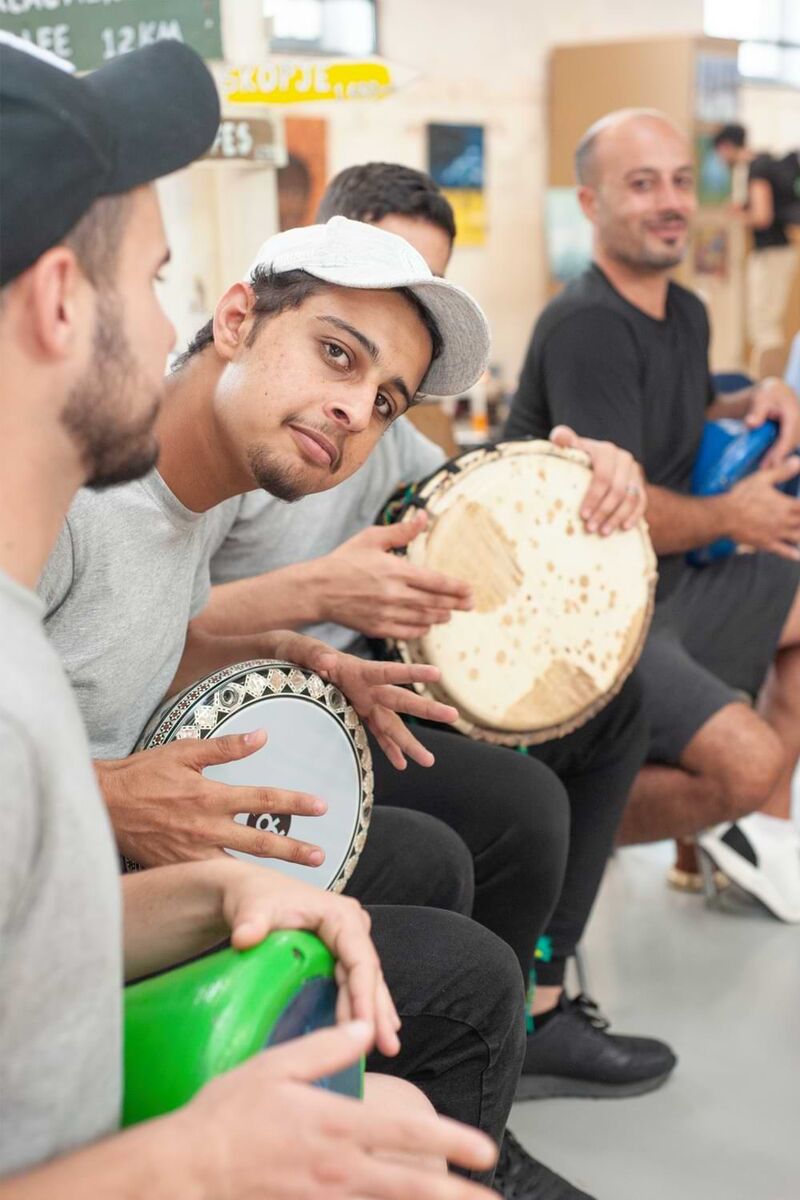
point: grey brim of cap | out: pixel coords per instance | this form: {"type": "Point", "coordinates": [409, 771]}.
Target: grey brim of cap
{"type": "Point", "coordinates": [465, 334]}
{"type": "Point", "coordinates": [162, 106]}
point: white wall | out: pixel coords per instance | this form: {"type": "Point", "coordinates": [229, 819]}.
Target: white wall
{"type": "Point", "coordinates": [478, 61]}
{"type": "Point", "coordinates": [772, 116]}
{"type": "Point", "coordinates": [484, 62]}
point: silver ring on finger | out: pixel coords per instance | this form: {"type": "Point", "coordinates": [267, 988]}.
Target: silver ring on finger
{"type": "Point", "coordinates": [632, 489]}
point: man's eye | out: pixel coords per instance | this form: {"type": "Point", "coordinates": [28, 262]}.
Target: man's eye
{"type": "Point", "coordinates": [336, 352]}
{"type": "Point", "coordinates": [384, 406]}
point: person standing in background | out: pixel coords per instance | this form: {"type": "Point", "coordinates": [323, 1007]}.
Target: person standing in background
{"type": "Point", "coordinates": [773, 193]}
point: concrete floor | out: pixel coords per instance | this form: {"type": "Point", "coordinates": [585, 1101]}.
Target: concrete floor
{"type": "Point", "coordinates": [723, 988]}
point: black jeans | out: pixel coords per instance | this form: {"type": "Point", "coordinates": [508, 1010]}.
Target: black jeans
{"type": "Point", "coordinates": [459, 994]}
{"type": "Point", "coordinates": [456, 986]}
{"type": "Point", "coordinates": [412, 858]}
{"type": "Point", "coordinates": [540, 826]}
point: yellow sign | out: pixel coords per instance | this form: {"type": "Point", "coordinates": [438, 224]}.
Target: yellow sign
{"type": "Point", "coordinates": [469, 210]}
{"type": "Point", "coordinates": [293, 81]}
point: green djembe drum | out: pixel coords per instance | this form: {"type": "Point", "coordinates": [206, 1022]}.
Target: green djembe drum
{"type": "Point", "coordinates": [186, 1026]}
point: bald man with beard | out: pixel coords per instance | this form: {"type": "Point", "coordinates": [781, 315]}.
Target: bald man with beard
{"type": "Point", "coordinates": [622, 354]}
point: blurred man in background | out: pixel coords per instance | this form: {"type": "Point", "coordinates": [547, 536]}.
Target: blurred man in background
{"type": "Point", "coordinates": [772, 203]}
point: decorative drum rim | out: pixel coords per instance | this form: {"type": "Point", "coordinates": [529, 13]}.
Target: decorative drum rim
{"type": "Point", "coordinates": [197, 711]}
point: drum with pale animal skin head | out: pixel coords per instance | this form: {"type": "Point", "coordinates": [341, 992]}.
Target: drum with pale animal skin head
{"type": "Point", "coordinates": [560, 615]}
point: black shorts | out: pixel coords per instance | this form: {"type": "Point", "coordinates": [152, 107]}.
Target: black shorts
{"type": "Point", "coordinates": [712, 642]}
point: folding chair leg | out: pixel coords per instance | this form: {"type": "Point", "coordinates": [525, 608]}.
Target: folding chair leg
{"type": "Point", "coordinates": [710, 889]}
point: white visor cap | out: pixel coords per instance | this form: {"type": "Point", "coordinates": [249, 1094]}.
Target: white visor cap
{"type": "Point", "coordinates": [352, 254]}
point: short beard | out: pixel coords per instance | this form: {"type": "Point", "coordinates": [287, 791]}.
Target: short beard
{"type": "Point", "coordinates": [644, 264]}
{"type": "Point", "coordinates": [638, 258]}
{"type": "Point", "coordinates": [282, 482]}
{"type": "Point", "coordinates": [112, 449]}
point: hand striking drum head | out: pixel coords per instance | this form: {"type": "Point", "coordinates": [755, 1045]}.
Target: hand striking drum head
{"type": "Point", "coordinates": [560, 615]}
{"type": "Point", "coordinates": [315, 743]}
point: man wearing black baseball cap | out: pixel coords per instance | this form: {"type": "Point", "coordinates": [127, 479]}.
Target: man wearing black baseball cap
{"type": "Point", "coordinates": [83, 341]}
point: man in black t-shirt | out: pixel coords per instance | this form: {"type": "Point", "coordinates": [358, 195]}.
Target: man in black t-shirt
{"type": "Point", "coordinates": [773, 195]}
{"type": "Point", "coordinates": [622, 354]}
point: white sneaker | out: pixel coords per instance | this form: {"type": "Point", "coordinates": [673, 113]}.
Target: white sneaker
{"type": "Point", "coordinates": [762, 855]}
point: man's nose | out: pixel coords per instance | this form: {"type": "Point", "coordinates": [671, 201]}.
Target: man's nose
{"type": "Point", "coordinates": [351, 409]}
{"type": "Point", "coordinates": [675, 199]}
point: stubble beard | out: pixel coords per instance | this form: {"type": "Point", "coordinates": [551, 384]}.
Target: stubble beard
{"type": "Point", "coordinates": [282, 481]}
{"type": "Point", "coordinates": [113, 448]}
{"type": "Point", "coordinates": [636, 256]}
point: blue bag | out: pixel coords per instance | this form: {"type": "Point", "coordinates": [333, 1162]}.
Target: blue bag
{"type": "Point", "coordinates": [729, 451]}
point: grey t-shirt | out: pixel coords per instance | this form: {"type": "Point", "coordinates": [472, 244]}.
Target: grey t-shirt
{"type": "Point", "coordinates": [269, 533]}
{"type": "Point", "coordinates": [60, 921]}
{"type": "Point", "coordinates": [129, 571]}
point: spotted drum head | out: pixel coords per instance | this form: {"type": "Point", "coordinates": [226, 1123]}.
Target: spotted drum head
{"type": "Point", "coordinates": [316, 744]}
{"type": "Point", "coordinates": [560, 615]}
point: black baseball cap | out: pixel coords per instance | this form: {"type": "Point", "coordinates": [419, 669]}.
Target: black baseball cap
{"type": "Point", "coordinates": [66, 140]}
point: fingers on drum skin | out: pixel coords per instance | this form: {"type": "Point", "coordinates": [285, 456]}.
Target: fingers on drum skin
{"type": "Point", "coordinates": [614, 497]}
{"type": "Point", "coordinates": [272, 845]}
{"type": "Point", "coordinates": [424, 580]}
{"type": "Point", "coordinates": [226, 748]}
{"type": "Point", "coordinates": [430, 616]}
{"type": "Point", "coordinates": [270, 800]}
{"type": "Point", "coordinates": [622, 515]}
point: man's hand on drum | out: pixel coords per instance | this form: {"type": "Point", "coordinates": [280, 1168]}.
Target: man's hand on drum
{"type": "Point", "coordinates": [262, 1131]}
{"type": "Point", "coordinates": [381, 594]}
{"type": "Point", "coordinates": [761, 516]}
{"type": "Point", "coordinates": [377, 692]}
{"type": "Point", "coordinates": [174, 913]}
{"type": "Point", "coordinates": [164, 810]}
{"type": "Point", "coordinates": [255, 902]}
{"type": "Point", "coordinates": [616, 498]}
{"type": "Point", "coordinates": [774, 400]}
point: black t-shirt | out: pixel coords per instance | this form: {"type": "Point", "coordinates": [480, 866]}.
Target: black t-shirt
{"type": "Point", "coordinates": [783, 177]}
{"type": "Point", "coordinates": [605, 368]}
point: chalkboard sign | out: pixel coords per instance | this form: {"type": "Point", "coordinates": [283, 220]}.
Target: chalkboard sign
{"type": "Point", "coordinates": [90, 32]}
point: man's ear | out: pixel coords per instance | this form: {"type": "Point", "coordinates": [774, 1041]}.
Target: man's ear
{"type": "Point", "coordinates": [57, 301]}
{"type": "Point", "coordinates": [587, 198]}
{"type": "Point", "coordinates": [233, 319]}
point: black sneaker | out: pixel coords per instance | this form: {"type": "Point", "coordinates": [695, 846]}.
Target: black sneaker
{"type": "Point", "coordinates": [573, 1054]}
{"type": "Point", "coordinates": [520, 1177]}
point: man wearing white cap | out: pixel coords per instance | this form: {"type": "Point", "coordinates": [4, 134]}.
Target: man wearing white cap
{"type": "Point", "coordinates": [303, 367]}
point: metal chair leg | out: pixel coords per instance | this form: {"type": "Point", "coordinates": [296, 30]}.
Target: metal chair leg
{"type": "Point", "coordinates": [710, 889]}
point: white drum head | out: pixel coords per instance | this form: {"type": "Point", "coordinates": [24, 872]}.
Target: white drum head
{"type": "Point", "coordinates": [315, 744]}
{"type": "Point", "coordinates": [307, 750]}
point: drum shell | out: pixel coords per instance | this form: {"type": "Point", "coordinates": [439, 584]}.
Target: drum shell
{"type": "Point", "coordinates": [188, 1025]}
